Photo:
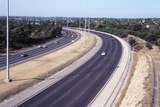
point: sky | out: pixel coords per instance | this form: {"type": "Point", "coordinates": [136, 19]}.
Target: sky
{"type": "Point", "coordinates": [82, 8]}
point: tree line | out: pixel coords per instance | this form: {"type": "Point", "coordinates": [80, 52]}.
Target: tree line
{"type": "Point", "coordinates": [27, 33]}
{"type": "Point", "coordinates": [148, 30]}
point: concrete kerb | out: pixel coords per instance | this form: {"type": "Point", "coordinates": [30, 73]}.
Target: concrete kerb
{"type": "Point", "coordinates": [36, 89]}
{"type": "Point", "coordinates": [124, 80]}
{"type": "Point", "coordinates": [108, 94]}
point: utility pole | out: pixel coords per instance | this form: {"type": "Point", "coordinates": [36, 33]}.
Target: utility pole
{"type": "Point", "coordinates": [85, 24]}
{"type": "Point", "coordinates": [55, 21]}
{"type": "Point", "coordinates": [67, 22]}
{"type": "Point", "coordinates": [79, 23]}
{"type": "Point", "coordinates": [7, 47]}
{"type": "Point", "coordinates": [88, 23]}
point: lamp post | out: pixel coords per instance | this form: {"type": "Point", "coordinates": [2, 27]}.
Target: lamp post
{"type": "Point", "coordinates": [88, 24]}
{"type": "Point", "coordinates": [55, 21]}
{"type": "Point", "coordinates": [7, 47]}
{"type": "Point", "coordinates": [67, 21]}
{"type": "Point", "coordinates": [85, 24]}
{"type": "Point", "coordinates": [79, 23]}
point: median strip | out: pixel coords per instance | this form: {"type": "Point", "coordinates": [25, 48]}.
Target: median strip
{"type": "Point", "coordinates": [29, 73]}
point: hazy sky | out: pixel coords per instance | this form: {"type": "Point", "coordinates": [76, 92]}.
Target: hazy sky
{"type": "Point", "coordinates": [93, 8]}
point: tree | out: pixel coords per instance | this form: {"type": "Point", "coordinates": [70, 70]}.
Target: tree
{"type": "Point", "coordinates": [152, 38]}
{"type": "Point", "coordinates": [158, 42]}
{"type": "Point", "coordinates": [132, 41]}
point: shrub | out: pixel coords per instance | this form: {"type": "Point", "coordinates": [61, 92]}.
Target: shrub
{"type": "Point", "coordinates": [158, 42]}
{"type": "Point", "coordinates": [132, 41]}
{"type": "Point", "coordinates": [124, 35]}
{"type": "Point", "coordinates": [149, 45]}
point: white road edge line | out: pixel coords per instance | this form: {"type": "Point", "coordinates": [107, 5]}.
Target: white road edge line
{"type": "Point", "coordinates": [107, 95]}
{"type": "Point", "coordinates": [27, 94]}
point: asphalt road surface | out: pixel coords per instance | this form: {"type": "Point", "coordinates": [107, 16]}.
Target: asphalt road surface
{"type": "Point", "coordinates": [80, 87]}
{"type": "Point", "coordinates": [66, 38]}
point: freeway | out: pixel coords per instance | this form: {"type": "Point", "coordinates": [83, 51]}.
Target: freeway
{"type": "Point", "coordinates": [80, 87]}
{"type": "Point", "coordinates": [67, 37]}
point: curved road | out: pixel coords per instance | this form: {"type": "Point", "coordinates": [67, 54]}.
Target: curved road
{"type": "Point", "coordinates": [80, 87]}
{"type": "Point", "coordinates": [66, 38]}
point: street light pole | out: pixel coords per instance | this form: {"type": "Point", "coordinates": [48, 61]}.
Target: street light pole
{"type": "Point", "coordinates": [55, 21]}
{"type": "Point", "coordinates": [7, 47]}
{"type": "Point", "coordinates": [88, 23]}
{"type": "Point", "coordinates": [85, 25]}
{"type": "Point", "coordinates": [79, 23]}
{"type": "Point", "coordinates": [67, 22]}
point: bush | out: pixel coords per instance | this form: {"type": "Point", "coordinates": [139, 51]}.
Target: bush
{"type": "Point", "coordinates": [158, 42]}
{"type": "Point", "coordinates": [152, 38]}
{"type": "Point", "coordinates": [124, 35]}
{"type": "Point", "coordinates": [132, 41]}
{"type": "Point", "coordinates": [149, 45]}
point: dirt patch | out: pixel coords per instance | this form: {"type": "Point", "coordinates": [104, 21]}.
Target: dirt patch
{"type": "Point", "coordinates": [29, 73]}
{"type": "Point", "coordinates": [148, 84]}
{"type": "Point", "coordinates": [155, 53]}
{"type": "Point", "coordinates": [139, 91]}
{"type": "Point", "coordinates": [127, 81]}
{"type": "Point", "coordinates": [158, 69]}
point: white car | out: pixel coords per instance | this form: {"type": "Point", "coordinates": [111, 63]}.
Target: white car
{"type": "Point", "coordinates": [39, 46]}
{"type": "Point", "coordinates": [42, 46]}
{"type": "Point", "coordinates": [103, 53]}
{"type": "Point", "coordinates": [24, 55]}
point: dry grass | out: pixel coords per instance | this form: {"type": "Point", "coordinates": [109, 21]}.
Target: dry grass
{"type": "Point", "coordinates": [155, 53]}
{"type": "Point", "coordinates": [139, 91]}
{"type": "Point", "coordinates": [127, 81]}
{"type": "Point", "coordinates": [27, 74]}
{"type": "Point", "coordinates": [158, 67]}
{"type": "Point", "coordinates": [148, 85]}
